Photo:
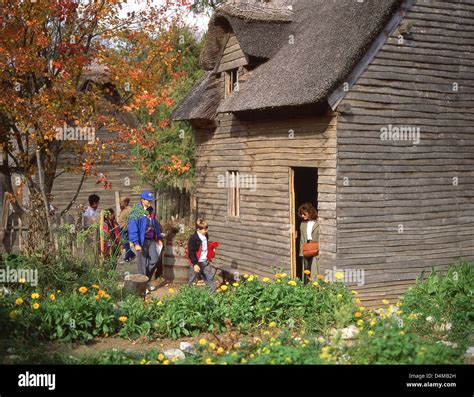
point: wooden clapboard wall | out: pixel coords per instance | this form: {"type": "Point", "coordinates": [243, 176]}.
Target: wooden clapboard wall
{"type": "Point", "coordinates": [232, 55]}
{"type": "Point", "coordinates": [260, 239]}
{"type": "Point", "coordinates": [394, 184]}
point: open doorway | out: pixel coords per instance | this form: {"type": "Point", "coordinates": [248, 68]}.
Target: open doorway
{"type": "Point", "coordinates": [303, 188]}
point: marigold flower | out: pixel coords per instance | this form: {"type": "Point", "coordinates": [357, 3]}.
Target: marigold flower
{"type": "Point", "coordinates": [224, 287]}
{"type": "Point", "coordinates": [315, 283]}
{"type": "Point", "coordinates": [357, 301]}
{"type": "Point", "coordinates": [101, 292]}
{"type": "Point", "coordinates": [385, 301]}
{"type": "Point", "coordinates": [308, 272]}
{"type": "Point", "coordinates": [320, 277]}
{"type": "Point", "coordinates": [251, 278]}
{"type": "Point", "coordinates": [283, 275]}
{"type": "Point", "coordinates": [339, 275]}
{"type": "Point", "coordinates": [83, 290]}
{"type": "Point", "coordinates": [35, 295]}
{"type": "Point", "coordinates": [12, 314]}
{"type": "Point", "coordinates": [159, 303]}
{"type": "Point", "coordinates": [97, 297]}
{"type": "Point", "coordinates": [355, 293]}
{"type": "Point", "coordinates": [370, 333]}
{"type": "Point", "coordinates": [246, 276]}
{"type": "Point", "coordinates": [272, 324]}
{"type": "Point", "coordinates": [106, 296]}
{"type": "Point", "coordinates": [19, 301]}
{"type": "Point", "coordinates": [278, 275]}
{"type": "Point", "coordinates": [161, 357]}
{"type": "Point", "coordinates": [166, 362]}
{"type": "Point", "coordinates": [202, 342]}
{"type": "Point", "coordinates": [373, 322]}
{"type": "Point", "coordinates": [235, 284]}
{"type": "Point", "coordinates": [360, 322]}
{"type": "Point", "coordinates": [22, 280]}
{"type": "Point", "coordinates": [123, 319]}
{"type": "Point", "coordinates": [292, 283]}
{"type": "Point", "coordinates": [265, 280]}
{"type": "Point", "coordinates": [35, 306]}
{"type": "Point", "coordinates": [209, 360]}
{"type": "Point", "coordinates": [402, 333]}
{"type": "Point", "coordinates": [358, 314]}
{"type": "Point", "coordinates": [171, 290]}
{"type": "Point", "coordinates": [95, 286]}
{"type": "Point", "coordinates": [52, 297]}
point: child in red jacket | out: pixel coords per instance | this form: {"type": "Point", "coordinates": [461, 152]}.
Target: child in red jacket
{"type": "Point", "coordinates": [200, 252]}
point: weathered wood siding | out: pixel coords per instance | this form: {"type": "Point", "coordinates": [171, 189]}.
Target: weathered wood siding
{"type": "Point", "coordinates": [426, 189]}
{"type": "Point", "coordinates": [232, 56]}
{"type": "Point", "coordinates": [260, 239]}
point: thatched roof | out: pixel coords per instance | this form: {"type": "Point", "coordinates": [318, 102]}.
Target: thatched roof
{"type": "Point", "coordinates": [202, 101]}
{"type": "Point", "coordinates": [329, 39]}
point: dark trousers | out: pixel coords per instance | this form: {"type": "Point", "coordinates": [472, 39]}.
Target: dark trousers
{"type": "Point", "coordinates": [129, 254]}
{"type": "Point", "coordinates": [205, 273]}
{"type": "Point", "coordinates": [147, 258]}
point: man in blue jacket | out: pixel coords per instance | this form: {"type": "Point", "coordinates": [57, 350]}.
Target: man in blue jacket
{"type": "Point", "coordinates": [145, 235]}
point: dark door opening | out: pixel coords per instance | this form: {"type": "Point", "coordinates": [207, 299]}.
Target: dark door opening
{"type": "Point", "coordinates": [305, 189]}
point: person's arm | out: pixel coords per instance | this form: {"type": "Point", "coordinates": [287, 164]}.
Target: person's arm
{"type": "Point", "coordinates": [192, 249]}
{"type": "Point", "coordinates": [133, 231]}
{"type": "Point", "coordinates": [302, 231]}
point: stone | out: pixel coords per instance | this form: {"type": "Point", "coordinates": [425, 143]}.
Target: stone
{"type": "Point", "coordinates": [469, 356]}
{"type": "Point", "coordinates": [186, 347]}
{"type": "Point", "coordinates": [174, 353]}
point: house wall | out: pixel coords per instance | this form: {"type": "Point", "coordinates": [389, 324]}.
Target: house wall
{"type": "Point", "coordinates": [392, 185]}
{"type": "Point", "coordinates": [260, 239]}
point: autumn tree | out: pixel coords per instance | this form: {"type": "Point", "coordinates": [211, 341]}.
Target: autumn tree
{"type": "Point", "coordinates": [59, 60]}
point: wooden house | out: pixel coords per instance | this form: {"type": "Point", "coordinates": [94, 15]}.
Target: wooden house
{"type": "Point", "coordinates": [364, 108]}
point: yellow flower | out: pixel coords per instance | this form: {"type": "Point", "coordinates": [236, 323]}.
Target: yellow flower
{"type": "Point", "coordinates": [52, 297]}
{"type": "Point", "coordinates": [315, 283]}
{"type": "Point", "coordinates": [339, 275]}
{"type": "Point", "coordinates": [159, 303]}
{"type": "Point", "coordinates": [106, 296]}
{"type": "Point", "coordinates": [252, 355]}
{"type": "Point", "coordinates": [251, 278]}
{"type": "Point", "coordinates": [35, 306]}
{"type": "Point", "coordinates": [123, 319]}
{"type": "Point", "coordinates": [171, 290]}
{"type": "Point", "coordinates": [19, 301]}
{"type": "Point", "coordinates": [166, 362]}
{"type": "Point", "coordinates": [354, 292]}
{"type": "Point", "coordinates": [97, 297]}
{"type": "Point", "coordinates": [272, 324]}
{"type": "Point", "coordinates": [278, 275]}
{"type": "Point", "coordinates": [22, 281]}
{"type": "Point", "coordinates": [358, 314]}
{"type": "Point", "coordinates": [212, 345]}
{"type": "Point", "coordinates": [412, 316]}
{"type": "Point", "coordinates": [265, 280]}
{"type": "Point", "coordinates": [58, 291]}
{"type": "Point", "coordinates": [161, 357]}
{"type": "Point", "coordinates": [292, 282]}
{"type": "Point", "coordinates": [35, 295]}
{"type": "Point", "coordinates": [360, 322]}
{"type": "Point", "coordinates": [95, 286]}
{"type": "Point", "coordinates": [362, 309]}
{"type": "Point", "coordinates": [283, 275]}
{"type": "Point", "coordinates": [143, 361]}
{"type": "Point", "coordinates": [235, 284]}
{"type": "Point", "coordinates": [224, 287]}
{"type": "Point", "coordinates": [402, 333]}
{"type": "Point", "coordinates": [266, 333]}
{"type": "Point", "coordinates": [12, 314]}
{"type": "Point", "coordinates": [339, 296]}
{"type": "Point", "coordinates": [307, 272]}
{"type": "Point", "coordinates": [202, 342]}
{"type": "Point", "coordinates": [83, 290]}
{"type": "Point", "coordinates": [320, 277]}
{"type": "Point", "coordinates": [385, 301]}
{"type": "Point", "coordinates": [373, 322]}
{"type": "Point", "coordinates": [148, 301]}
{"type": "Point", "coordinates": [220, 350]}
{"type": "Point", "coordinates": [243, 361]}
{"type": "Point", "coordinates": [370, 333]}
{"type": "Point", "coordinates": [357, 301]}
{"type": "Point", "coordinates": [246, 276]}
{"type": "Point", "coordinates": [209, 361]}
{"type": "Point", "coordinates": [101, 292]}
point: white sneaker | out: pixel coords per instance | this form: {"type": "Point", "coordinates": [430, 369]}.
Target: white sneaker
{"type": "Point", "coordinates": [151, 287]}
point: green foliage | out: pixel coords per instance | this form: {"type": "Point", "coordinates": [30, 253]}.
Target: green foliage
{"type": "Point", "coordinates": [205, 6]}
{"type": "Point", "coordinates": [445, 304]}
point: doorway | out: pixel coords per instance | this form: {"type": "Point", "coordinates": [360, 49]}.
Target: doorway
{"type": "Point", "coordinates": [303, 188]}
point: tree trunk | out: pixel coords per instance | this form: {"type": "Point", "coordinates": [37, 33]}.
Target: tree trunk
{"type": "Point", "coordinates": [136, 284]}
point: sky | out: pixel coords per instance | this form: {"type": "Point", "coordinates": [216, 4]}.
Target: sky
{"type": "Point", "coordinates": [200, 21]}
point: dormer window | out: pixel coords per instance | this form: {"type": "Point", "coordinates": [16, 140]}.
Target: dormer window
{"type": "Point", "coordinates": [231, 81]}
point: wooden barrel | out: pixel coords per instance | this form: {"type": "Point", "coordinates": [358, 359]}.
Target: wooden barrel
{"type": "Point", "coordinates": [175, 264]}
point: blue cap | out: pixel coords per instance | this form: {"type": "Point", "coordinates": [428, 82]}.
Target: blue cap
{"type": "Point", "coordinates": [147, 196]}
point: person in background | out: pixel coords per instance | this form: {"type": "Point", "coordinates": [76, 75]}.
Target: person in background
{"type": "Point", "coordinates": [91, 214]}
{"type": "Point", "coordinates": [198, 256]}
{"type": "Point", "coordinates": [111, 232]}
{"type": "Point", "coordinates": [144, 234]}
{"type": "Point", "coordinates": [122, 220]}
{"type": "Point", "coordinates": [309, 233]}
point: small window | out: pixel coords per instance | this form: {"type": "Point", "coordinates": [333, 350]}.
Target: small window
{"type": "Point", "coordinates": [231, 81]}
{"type": "Point", "coordinates": [233, 194]}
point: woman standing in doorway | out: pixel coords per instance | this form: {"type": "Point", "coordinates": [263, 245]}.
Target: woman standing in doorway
{"type": "Point", "coordinates": [309, 232]}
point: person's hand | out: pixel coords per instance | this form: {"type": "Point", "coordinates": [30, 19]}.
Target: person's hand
{"type": "Point", "coordinates": [160, 243]}
{"type": "Point", "coordinates": [197, 269]}
{"type": "Point", "coordinates": [138, 247]}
